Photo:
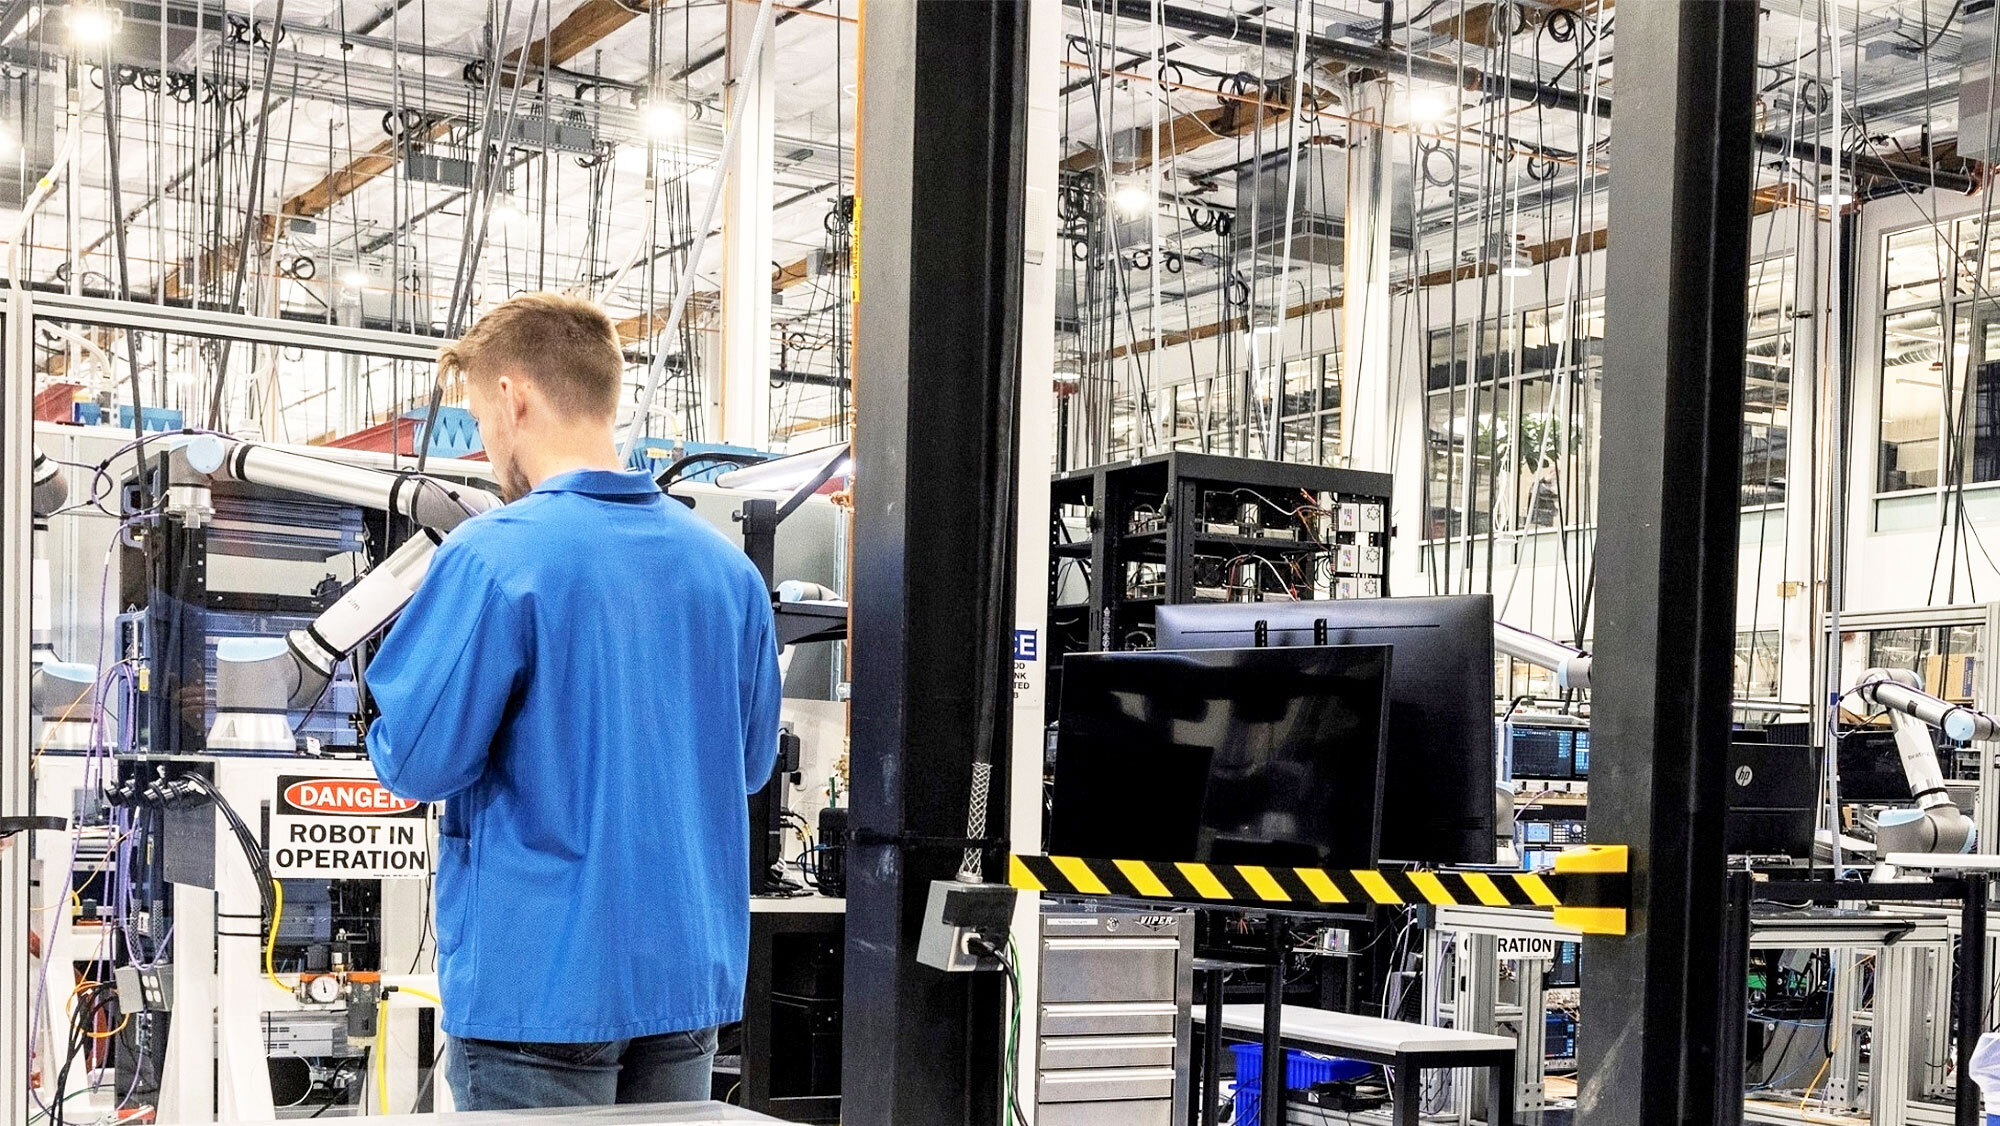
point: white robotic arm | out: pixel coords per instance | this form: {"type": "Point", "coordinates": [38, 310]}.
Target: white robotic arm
{"type": "Point", "coordinates": [1936, 824]}
{"type": "Point", "coordinates": [255, 688]}
{"type": "Point", "coordinates": [56, 690]}
{"type": "Point", "coordinates": [51, 488]}
{"type": "Point", "coordinates": [1570, 665]}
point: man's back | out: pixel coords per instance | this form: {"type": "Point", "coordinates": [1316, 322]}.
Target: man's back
{"type": "Point", "coordinates": [589, 675]}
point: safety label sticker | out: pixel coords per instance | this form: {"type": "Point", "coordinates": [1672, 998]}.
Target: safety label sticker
{"type": "Point", "coordinates": [1526, 948]}
{"type": "Point", "coordinates": [346, 828]}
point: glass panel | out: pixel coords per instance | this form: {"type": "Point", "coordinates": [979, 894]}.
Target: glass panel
{"type": "Point", "coordinates": [1982, 380]}
{"type": "Point", "coordinates": [1547, 442]}
{"type": "Point", "coordinates": [1329, 401]}
{"type": "Point", "coordinates": [1298, 440]}
{"type": "Point", "coordinates": [1758, 656]}
{"type": "Point", "coordinates": [1123, 420]}
{"type": "Point", "coordinates": [1947, 659]}
{"type": "Point", "coordinates": [1913, 263]}
{"type": "Point", "coordinates": [1770, 296]}
{"type": "Point", "coordinates": [1444, 446]}
{"type": "Point", "coordinates": [1964, 268]}
{"type": "Point", "coordinates": [1913, 370]}
{"type": "Point", "coordinates": [1455, 353]}
{"type": "Point", "coordinates": [1301, 380]}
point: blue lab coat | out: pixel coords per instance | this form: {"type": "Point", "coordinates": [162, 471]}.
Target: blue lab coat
{"type": "Point", "coordinates": [588, 679]}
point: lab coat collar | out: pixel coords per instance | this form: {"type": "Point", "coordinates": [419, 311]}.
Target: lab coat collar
{"type": "Point", "coordinates": [600, 482]}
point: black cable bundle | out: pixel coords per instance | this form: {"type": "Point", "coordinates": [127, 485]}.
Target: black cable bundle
{"type": "Point", "coordinates": [253, 851]}
{"type": "Point", "coordinates": [93, 999]}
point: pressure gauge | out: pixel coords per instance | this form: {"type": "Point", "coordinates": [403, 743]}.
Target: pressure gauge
{"type": "Point", "coordinates": [324, 989]}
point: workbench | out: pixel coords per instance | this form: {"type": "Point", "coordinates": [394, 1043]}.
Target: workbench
{"type": "Point", "coordinates": [1408, 1050]}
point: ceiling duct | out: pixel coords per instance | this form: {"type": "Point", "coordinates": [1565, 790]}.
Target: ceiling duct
{"type": "Point", "coordinates": [1318, 208]}
{"type": "Point", "coordinates": [1975, 83]}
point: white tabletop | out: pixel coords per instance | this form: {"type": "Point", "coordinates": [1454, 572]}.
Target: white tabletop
{"type": "Point", "coordinates": [1335, 1031]}
{"type": "Point", "coordinates": [657, 1114]}
{"type": "Point", "coordinates": [798, 904]}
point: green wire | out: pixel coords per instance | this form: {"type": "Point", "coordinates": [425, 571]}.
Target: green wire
{"type": "Point", "coordinates": [64, 1101]}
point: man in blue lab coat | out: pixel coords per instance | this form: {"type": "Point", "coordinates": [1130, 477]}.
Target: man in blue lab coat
{"type": "Point", "coordinates": [588, 679]}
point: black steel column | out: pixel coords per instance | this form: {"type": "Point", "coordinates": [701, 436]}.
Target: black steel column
{"type": "Point", "coordinates": [1667, 547]}
{"type": "Point", "coordinates": [942, 137]}
{"type": "Point", "coordinates": [1732, 1022]}
{"type": "Point", "coordinates": [1969, 992]}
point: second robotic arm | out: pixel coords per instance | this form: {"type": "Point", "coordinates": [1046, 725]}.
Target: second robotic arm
{"type": "Point", "coordinates": [1936, 824]}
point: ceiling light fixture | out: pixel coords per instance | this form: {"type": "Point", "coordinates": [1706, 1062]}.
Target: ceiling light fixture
{"type": "Point", "coordinates": [508, 213]}
{"type": "Point", "coordinates": [1131, 197]}
{"type": "Point", "coordinates": [1830, 198]}
{"type": "Point", "coordinates": [354, 278]}
{"type": "Point", "coordinates": [1517, 263]}
{"type": "Point", "coordinates": [92, 24]}
{"type": "Point", "coordinates": [664, 119]}
{"type": "Point", "coordinates": [1428, 107]}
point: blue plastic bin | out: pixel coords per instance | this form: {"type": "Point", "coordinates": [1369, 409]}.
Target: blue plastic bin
{"type": "Point", "coordinates": [1303, 1070]}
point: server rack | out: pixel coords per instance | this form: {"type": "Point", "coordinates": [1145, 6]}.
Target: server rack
{"type": "Point", "coordinates": [1182, 527]}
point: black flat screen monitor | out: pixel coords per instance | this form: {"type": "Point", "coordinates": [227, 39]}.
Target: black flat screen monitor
{"type": "Point", "coordinates": [1438, 778]}
{"type": "Point", "coordinates": [1225, 756]}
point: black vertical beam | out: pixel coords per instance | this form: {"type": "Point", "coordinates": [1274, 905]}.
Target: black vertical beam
{"type": "Point", "coordinates": [1969, 991]}
{"type": "Point", "coordinates": [943, 131]}
{"type": "Point", "coordinates": [1732, 1022]}
{"type": "Point", "coordinates": [1667, 547]}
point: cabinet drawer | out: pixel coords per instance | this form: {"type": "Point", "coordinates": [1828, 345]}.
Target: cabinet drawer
{"type": "Point", "coordinates": [1110, 969]}
{"type": "Point", "coordinates": [1061, 1052]}
{"type": "Point", "coordinates": [1110, 1084]}
{"type": "Point", "coordinates": [1108, 1018]}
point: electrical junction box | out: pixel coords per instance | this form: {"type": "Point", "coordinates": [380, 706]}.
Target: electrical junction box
{"type": "Point", "coordinates": [955, 916]}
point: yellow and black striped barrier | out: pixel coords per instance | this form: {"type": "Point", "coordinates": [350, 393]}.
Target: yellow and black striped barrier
{"type": "Point", "coordinates": [1589, 889]}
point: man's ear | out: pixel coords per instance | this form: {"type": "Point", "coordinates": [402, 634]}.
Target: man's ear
{"type": "Point", "coordinates": [514, 394]}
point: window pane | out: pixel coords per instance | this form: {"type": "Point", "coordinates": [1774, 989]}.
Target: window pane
{"type": "Point", "coordinates": [1298, 440]}
{"type": "Point", "coordinates": [1757, 659]}
{"type": "Point", "coordinates": [1982, 370]}
{"type": "Point", "coordinates": [1913, 368]}
{"type": "Point", "coordinates": [1329, 402]}
{"type": "Point", "coordinates": [1456, 355]}
{"type": "Point", "coordinates": [1546, 441]}
{"type": "Point", "coordinates": [1767, 375]}
{"type": "Point", "coordinates": [1301, 379]}
{"type": "Point", "coordinates": [1914, 264]}
{"type": "Point", "coordinates": [1444, 447]}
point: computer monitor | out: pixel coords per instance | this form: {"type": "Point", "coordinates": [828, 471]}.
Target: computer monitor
{"type": "Point", "coordinates": [1437, 788]}
{"type": "Point", "coordinates": [1542, 753]}
{"type": "Point", "coordinates": [1227, 756]}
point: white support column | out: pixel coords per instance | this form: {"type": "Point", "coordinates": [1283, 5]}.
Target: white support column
{"type": "Point", "coordinates": [1365, 324]}
{"type": "Point", "coordinates": [1800, 642]}
{"type": "Point", "coordinates": [16, 565]}
{"type": "Point", "coordinates": [743, 413]}
{"type": "Point", "coordinates": [1043, 256]}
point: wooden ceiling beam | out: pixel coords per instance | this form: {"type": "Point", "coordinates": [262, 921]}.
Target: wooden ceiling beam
{"type": "Point", "coordinates": [579, 31]}
{"type": "Point", "coordinates": [634, 329]}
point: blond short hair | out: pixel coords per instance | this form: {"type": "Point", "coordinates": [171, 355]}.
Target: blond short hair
{"type": "Point", "coordinates": [566, 346]}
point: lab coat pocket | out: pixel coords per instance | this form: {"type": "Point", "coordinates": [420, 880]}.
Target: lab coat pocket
{"type": "Point", "coordinates": [454, 890]}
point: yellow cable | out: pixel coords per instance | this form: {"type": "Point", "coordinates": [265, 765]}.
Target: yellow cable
{"type": "Point", "coordinates": [1821, 1074]}
{"type": "Point", "coordinates": [113, 1032]}
{"type": "Point", "coordinates": [420, 994]}
{"type": "Point", "coordinates": [382, 1052]}
{"type": "Point", "coordinates": [271, 940]}
{"type": "Point", "coordinates": [57, 726]}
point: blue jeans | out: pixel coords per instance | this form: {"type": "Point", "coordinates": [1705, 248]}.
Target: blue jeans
{"type": "Point", "coordinates": [672, 1067]}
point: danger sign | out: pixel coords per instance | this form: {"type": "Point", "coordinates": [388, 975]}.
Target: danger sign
{"type": "Point", "coordinates": [346, 828]}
